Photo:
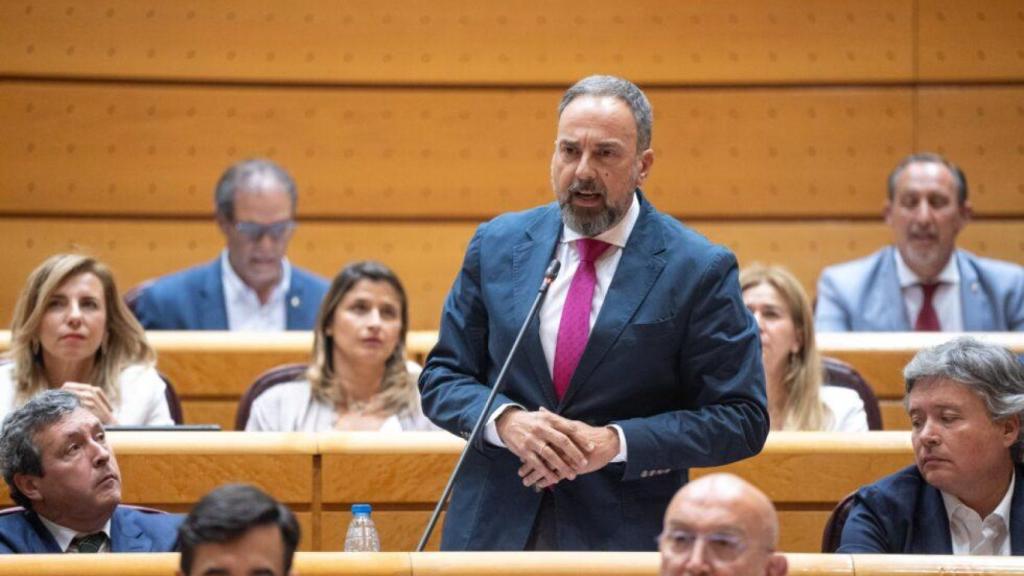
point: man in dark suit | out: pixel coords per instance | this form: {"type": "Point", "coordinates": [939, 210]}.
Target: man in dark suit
{"type": "Point", "coordinates": [965, 400]}
{"type": "Point", "coordinates": [923, 281]}
{"type": "Point", "coordinates": [60, 469]}
{"type": "Point", "coordinates": [643, 362]}
{"type": "Point", "coordinates": [251, 285]}
{"type": "Point", "coordinates": [238, 530]}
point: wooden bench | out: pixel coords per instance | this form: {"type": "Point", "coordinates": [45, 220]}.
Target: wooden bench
{"type": "Point", "coordinates": [211, 370]}
{"type": "Point", "coordinates": [321, 475]}
{"type": "Point", "coordinates": [509, 564]}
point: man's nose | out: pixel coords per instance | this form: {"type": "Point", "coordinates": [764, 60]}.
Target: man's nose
{"type": "Point", "coordinates": [930, 433]}
{"type": "Point", "coordinates": [585, 169]}
{"type": "Point", "coordinates": [102, 455]}
{"type": "Point", "coordinates": [698, 562]}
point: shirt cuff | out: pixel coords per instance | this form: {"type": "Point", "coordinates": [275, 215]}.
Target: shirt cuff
{"type": "Point", "coordinates": [491, 429]}
{"type": "Point", "coordinates": [621, 456]}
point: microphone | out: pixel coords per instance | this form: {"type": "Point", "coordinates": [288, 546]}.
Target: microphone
{"type": "Point", "coordinates": [475, 434]}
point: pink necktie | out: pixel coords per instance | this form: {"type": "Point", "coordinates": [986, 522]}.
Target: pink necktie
{"type": "Point", "coordinates": [575, 325]}
{"type": "Point", "coordinates": [927, 319]}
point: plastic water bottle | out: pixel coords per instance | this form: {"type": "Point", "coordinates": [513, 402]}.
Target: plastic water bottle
{"type": "Point", "coordinates": [362, 534]}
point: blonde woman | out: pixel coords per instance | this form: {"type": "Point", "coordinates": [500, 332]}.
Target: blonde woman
{"type": "Point", "coordinates": [72, 331]}
{"type": "Point", "coordinates": [793, 373]}
{"type": "Point", "coordinates": [359, 378]}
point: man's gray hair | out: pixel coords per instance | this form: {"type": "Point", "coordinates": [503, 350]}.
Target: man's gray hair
{"type": "Point", "coordinates": [623, 90]}
{"type": "Point", "coordinates": [989, 370]}
{"type": "Point", "coordinates": [250, 173]}
{"type": "Point", "coordinates": [959, 178]}
{"type": "Point", "coordinates": [18, 451]}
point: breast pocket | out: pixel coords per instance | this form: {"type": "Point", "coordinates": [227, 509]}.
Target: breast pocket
{"type": "Point", "coordinates": [654, 330]}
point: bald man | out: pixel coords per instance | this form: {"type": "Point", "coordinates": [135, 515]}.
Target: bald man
{"type": "Point", "coordinates": [720, 524]}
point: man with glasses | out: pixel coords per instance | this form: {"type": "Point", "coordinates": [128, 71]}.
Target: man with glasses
{"type": "Point", "coordinates": [720, 524]}
{"type": "Point", "coordinates": [251, 286]}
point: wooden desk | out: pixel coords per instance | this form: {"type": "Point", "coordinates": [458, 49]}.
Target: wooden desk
{"type": "Point", "coordinates": [508, 564]}
{"type": "Point", "coordinates": [401, 475]}
{"type": "Point", "coordinates": [211, 370]}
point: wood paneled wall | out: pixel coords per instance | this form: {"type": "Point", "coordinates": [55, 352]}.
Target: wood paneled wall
{"type": "Point", "coordinates": [405, 124]}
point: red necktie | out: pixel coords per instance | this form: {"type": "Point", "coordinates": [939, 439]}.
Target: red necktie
{"type": "Point", "coordinates": [927, 319]}
{"type": "Point", "coordinates": [574, 328]}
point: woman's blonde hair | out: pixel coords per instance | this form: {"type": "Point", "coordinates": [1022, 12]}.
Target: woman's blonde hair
{"type": "Point", "coordinates": [804, 409]}
{"type": "Point", "coordinates": [124, 340]}
{"type": "Point", "coordinates": [398, 388]}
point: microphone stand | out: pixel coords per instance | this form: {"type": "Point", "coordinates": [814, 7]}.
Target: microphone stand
{"type": "Point", "coordinates": [549, 277]}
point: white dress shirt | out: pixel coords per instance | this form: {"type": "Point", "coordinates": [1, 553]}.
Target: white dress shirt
{"type": "Point", "coordinates": [63, 536]}
{"type": "Point", "coordinates": [245, 312]}
{"type": "Point", "coordinates": [972, 536]}
{"type": "Point", "coordinates": [551, 310]}
{"type": "Point", "coordinates": [945, 300]}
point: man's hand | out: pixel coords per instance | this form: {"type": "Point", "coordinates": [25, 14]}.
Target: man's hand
{"type": "Point", "coordinates": [93, 399]}
{"type": "Point", "coordinates": [601, 444]}
{"type": "Point", "coordinates": [545, 443]}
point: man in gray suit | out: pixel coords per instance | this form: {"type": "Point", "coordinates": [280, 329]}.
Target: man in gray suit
{"type": "Point", "coordinates": [923, 282]}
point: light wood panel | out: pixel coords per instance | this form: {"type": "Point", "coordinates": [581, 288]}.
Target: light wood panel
{"type": "Point", "coordinates": [380, 152]}
{"type": "Point", "coordinates": [460, 41]}
{"type": "Point", "coordinates": [983, 131]}
{"type": "Point", "coordinates": [970, 41]}
{"type": "Point", "coordinates": [427, 256]}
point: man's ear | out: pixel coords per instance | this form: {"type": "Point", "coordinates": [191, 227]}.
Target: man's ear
{"type": "Point", "coordinates": [646, 161]}
{"type": "Point", "coordinates": [777, 565]}
{"type": "Point", "coordinates": [28, 485]}
{"type": "Point", "coordinates": [887, 212]}
{"type": "Point", "coordinates": [224, 224]}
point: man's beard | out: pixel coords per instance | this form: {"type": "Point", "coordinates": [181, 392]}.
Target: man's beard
{"type": "Point", "coordinates": [589, 221]}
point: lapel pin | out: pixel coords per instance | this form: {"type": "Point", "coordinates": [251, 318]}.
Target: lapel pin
{"type": "Point", "coordinates": [295, 301]}
{"type": "Point", "coordinates": [974, 287]}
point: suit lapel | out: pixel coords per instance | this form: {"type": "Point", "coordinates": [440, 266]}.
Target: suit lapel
{"type": "Point", "coordinates": [931, 527]}
{"type": "Point", "coordinates": [126, 535]}
{"type": "Point", "coordinates": [44, 541]}
{"type": "Point", "coordinates": [293, 303]}
{"type": "Point", "coordinates": [880, 302]}
{"type": "Point", "coordinates": [530, 259]}
{"type": "Point", "coordinates": [639, 266]}
{"type": "Point", "coordinates": [1017, 514]}
{"type": "Point", "coordinates": [974, 307]}
{"type": "Point", "coordinates": [213, 314]}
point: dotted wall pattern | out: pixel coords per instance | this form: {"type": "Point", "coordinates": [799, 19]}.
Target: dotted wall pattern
{"type": "Point", "coordinates": [440, 153]}
{"type": "Point", "coordinates": [965, 41]}
{"type": "Point", "coordinates": [427, 256]}
{"type": "Point", "coordinates": [983, 131]}
{"type": "Point", "coordinates": [461, 41]}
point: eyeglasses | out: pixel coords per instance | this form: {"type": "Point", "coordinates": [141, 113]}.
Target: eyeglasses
{"type": "Point", "coordinates": [254, 231]}
{"type": "Point", "coordinates": [721, 546]}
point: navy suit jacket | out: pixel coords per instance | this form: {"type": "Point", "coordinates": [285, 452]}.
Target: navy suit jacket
{"type": "Point", "coordinates": [864, 295]}
{"type": "Point", "coordinates": [903, 514]}
{"type": "Point", "coordinates": [131, 530]}
{"type": "Point", "coordinates": [193, 299]}
{"type": "Point", "coordinates": [674, 358]}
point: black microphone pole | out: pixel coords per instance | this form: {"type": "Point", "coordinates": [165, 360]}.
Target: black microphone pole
{"type": "Point", "coordinates": [549, 277]}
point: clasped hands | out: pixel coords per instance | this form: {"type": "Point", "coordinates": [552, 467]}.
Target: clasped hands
{"type": "Point", "coordinates": [553, 448]}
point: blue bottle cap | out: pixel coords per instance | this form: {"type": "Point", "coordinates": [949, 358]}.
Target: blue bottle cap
{"type": "Point", "coordinates": [361, 509]}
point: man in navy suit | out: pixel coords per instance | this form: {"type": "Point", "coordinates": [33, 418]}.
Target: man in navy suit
{"type": "Point", "coordinates": [642, 363]}
{"type": "Point", "coordinates": [251, 285]}
{"type": "Point", "coordinates": [923, 282]}
{"type": "Point", "coordinates": [59, 467]}
{"type": "Point", "coordinates": [965, 399]}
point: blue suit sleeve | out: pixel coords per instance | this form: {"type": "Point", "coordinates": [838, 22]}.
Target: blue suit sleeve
{"type": "Point", "coordinates": [865, 531]}
{"type": "Point", "coordinates": [829, 313]}
{"type": "Point", "coordinates": [451, 384]}
{"type": "Point", "coordinates": [723, 382]}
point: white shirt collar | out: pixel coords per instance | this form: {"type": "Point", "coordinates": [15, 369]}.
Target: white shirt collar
{"type": "Point", "coordinates": [962, 516]}
{"type": "Point", "coordinates": [64, 536]}
{"type": "Point", "coordinates": [617, 235]}
{"type": "Point", "coordinates": [950, 273]}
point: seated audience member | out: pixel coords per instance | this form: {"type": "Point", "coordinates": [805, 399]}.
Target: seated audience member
{"type": "Point", "coordinates": [59, 467]}
{"type": "Point", "coordinates": [359, 378]}
{"type": "Point", "coordinates": [965, 399]}
{"type": "Point", "coordinates": [72, 331]}
{"type": "Point", "coordinates": [251, 285]}
{"type": "Point", "coordinates": [720, 524]}
{"type": "Point", "coordinates": [924, 282]}
{"type": "Point", "coordinates": [238, 530]}
{"type": "Point", "coordinates": [793, 372]}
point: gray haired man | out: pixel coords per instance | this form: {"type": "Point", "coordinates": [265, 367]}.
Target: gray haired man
{"type": "Point", "coordinates": [251, 285]}
{"type": "Point", "coordinates": [59, 467]}
{"type": "Point", "coordinates": [964, 398]}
